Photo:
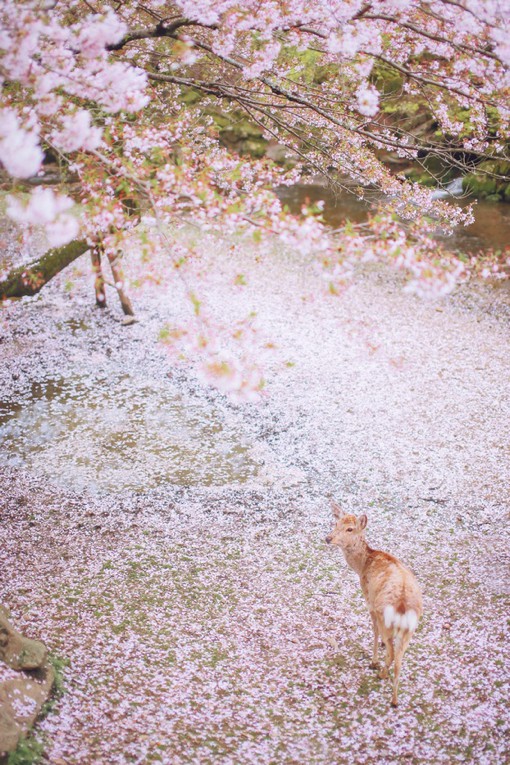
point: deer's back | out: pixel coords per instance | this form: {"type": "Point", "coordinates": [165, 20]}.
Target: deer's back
{"type": "Point", "coordinates": [387, 582]}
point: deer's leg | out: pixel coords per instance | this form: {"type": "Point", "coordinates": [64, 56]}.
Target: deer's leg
{"type": "Point", "coordinates": [375, 652]}
{"type": "Point", "coordinates": [400, 648]}
{"type": "Point", "coordinates": [388, 660]}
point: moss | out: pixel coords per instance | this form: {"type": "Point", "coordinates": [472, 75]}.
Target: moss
{"type": "Point", "coordinates": [29, 279]}
{"type": "Point", "coordinates": [190, 96]}
{"type": "Point", "coordinates": [478, 185]}
{"type": "Point", "coordinates": [28, 752]}
{"type": "Point", "coordinates": [256, 149]}
{"type": "Point", "coordinates": [491, 181]}
{"type": "Point", "coordinates": [430, 173]}
{"type": "Point", "coordinates": [386, 79]}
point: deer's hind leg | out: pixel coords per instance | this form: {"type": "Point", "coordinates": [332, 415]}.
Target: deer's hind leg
{"type": "Point", "coordinates": [390, 653]}
{"type": "Point", "coordinates": [401, 643]}
{"type": "Point", "coordinates": [374, 664]}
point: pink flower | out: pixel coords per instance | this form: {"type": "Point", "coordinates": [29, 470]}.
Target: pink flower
{"type": "Point", "coordinates": [47, 209]}
{"type": "Point", "coordinates": [121, 88]}
{"type": "Point", "coordinates": [77, 133]}
{"type": "Point", "coordinates": [20, 152]}
{"type": "Point", "coordinates": [42, 207]}
{"type": "Point", "coordinates": [63, 230]}
{"type": "Point", "coordinates": [367, 100]}
{"type": "Point", "coordinates": [98, 32]}
{"type": "Point", "coordinates": [346, 43]}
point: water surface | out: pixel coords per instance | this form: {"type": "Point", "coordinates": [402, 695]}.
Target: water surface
{"type": "Point", "coordinates": [491, 229]}
{"type": "Point", "coordinates": [119, 432]}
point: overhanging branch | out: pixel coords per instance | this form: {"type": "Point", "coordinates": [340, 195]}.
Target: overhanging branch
{"type": "Point", "coordinates": [29, 279]}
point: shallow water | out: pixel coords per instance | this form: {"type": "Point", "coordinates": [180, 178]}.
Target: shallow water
{"type": "Point", "coordinates": [111, 431]}
{"type": "Point", "coordinates": [491, 229]}
{"type": "Point", "coordinates": [119, 431]}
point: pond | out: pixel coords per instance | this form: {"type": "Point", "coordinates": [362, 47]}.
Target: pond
{"type": "Point", "coordinates": [118, 431]}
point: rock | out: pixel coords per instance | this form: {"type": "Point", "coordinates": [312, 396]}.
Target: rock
{"type": "Point", "coordinates": [21, 701]}
{"type": "Point", "coordinates": [490, 181]}
{"type": "Point", "coordinates": [9, 734]}
{"type": "Point", "coordinates": [21, 697]}
{"type": "Point", "coordinates": [17, 651]}
{"type": "Point", "coordinates": [280, 154]}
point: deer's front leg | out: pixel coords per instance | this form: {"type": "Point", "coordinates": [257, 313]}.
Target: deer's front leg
{"type": "Point", "coordinates": [375, 651]}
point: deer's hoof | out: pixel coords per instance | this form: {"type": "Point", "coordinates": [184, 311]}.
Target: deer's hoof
{"type": "Point", "coordinates": [374, 665]}
{"type": "Point", "coordinates": [394, 703]}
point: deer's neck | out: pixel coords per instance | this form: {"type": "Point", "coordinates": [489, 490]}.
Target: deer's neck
{"type": "Point", "coordinates": [356, 554]}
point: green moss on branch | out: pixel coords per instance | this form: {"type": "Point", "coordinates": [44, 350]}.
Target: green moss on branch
{"type": "Point", "coordinates": [29, 279]}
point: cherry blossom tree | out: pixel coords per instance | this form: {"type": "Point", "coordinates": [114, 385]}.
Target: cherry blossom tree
{"type": "Point", "coordinates": [124, 94]}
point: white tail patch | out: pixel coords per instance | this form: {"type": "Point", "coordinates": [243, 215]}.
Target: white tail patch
{"type": "Point", "coordinates": [402, 622]}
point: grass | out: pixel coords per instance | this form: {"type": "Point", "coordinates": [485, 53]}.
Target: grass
{"type": "Point", "coordinates": [30, 748]}
{"type": "Point", "coordinates": [28, 752]}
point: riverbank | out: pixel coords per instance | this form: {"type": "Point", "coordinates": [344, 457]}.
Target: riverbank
{"type": "Point", "coordinates": [208, 621]}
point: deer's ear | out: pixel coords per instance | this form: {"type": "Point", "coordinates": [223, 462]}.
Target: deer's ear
{"type": "Point", "coordinates": [337, 510]}
{"type": "Point", "coordinates": [362, 521]}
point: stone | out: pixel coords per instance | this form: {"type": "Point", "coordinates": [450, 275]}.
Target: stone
{"type": "Point", "coordinates": [490, 181]}
{"type": "Point", "coordinates": [18, 651]}
{"type": "Point", "coordinates": [21, 701]}
{"type": "Point", "coordinates": [9, 733]}
{"type": "Point", "coordinates": [21, 697]}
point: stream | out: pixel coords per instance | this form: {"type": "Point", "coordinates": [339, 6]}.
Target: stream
{"type": "Point", "coordinates": [112, 429]}
{"type": "Point", "coordinates": [490, 230]}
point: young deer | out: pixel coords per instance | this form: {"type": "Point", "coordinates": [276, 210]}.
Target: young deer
{"type": "Point", "coordinates": [390, 589]}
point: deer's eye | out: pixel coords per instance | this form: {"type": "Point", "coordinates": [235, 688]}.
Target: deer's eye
{"type": "Point", "coordinates": [349, 529]}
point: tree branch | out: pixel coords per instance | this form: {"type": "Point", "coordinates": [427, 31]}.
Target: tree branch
{"type": "Point", "coordinates": [159, 30]}
{"type": "Point", "coordinates": [29, 279]}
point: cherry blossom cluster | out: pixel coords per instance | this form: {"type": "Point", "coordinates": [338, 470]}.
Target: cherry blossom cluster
{"type": "Point", "coordinates": [106, 91]}
{"type": "Point", "coordinates": [51, 62]}
{"type": "Point", "coordinates": [46, 209]}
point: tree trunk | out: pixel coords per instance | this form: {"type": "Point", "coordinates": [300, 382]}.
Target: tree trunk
{"type": "Point", "coordinates": [29, 279]}
{"type": "Point", "coordinates": [99, 282]}
{"type": "Point", "coordinates": [118, 279]}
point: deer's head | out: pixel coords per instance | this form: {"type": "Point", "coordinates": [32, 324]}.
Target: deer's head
{"type": "Point", "coordinates": [348, 528]}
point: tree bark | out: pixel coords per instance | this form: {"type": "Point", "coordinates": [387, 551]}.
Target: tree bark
{"type": "Point", "coordinates": [29, 279]}
{"type": "Point", "coordinates": [99, 282]}
{"type": "Point", "coordinates": [118, 278]}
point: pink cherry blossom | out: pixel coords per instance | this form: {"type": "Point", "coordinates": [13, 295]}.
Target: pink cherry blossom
{"type": "Point", "coordinates": [97, 31]}
{"type": "Point", "coordinates": [77, 133]}
{"type": "Point", "coordinates": [44, 208]}
{"type": "Point", "coordinates": [367, 100]}
{"type": "Point", "coordinates": [128, 97]}
{"type": "Point", "coordinates": [20, 152]}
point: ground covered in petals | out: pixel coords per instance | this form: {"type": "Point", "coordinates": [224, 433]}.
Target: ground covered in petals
{"type": "Point", "coordinates": [170, 544]}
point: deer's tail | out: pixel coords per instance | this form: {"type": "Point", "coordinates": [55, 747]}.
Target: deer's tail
{"type": "Point", "coordinates": [401, 623]}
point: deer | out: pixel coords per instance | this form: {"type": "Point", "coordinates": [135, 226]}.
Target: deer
{"type": "Point", "coordinates": [391, 591]}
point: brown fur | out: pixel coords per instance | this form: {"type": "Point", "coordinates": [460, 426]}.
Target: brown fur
{"type": "Point", "coordinates": [386, 583]}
